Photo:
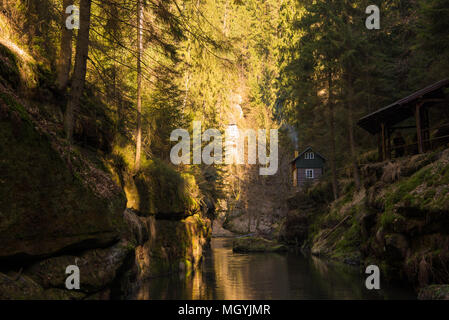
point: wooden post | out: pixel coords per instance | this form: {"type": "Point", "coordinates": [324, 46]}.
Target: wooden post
{"type": "Point", "coordinates": [418, 127]}
{"type": "Point", "coordinates": [379, 146]}
{"type": "Point", "coordinates": [384, 147]}
{"type": "Point", "coordinates": [425, 129]}
{"type": "Point", "coordinates": [388, 143]}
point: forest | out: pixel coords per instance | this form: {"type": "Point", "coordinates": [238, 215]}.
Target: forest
{"type": "Point", "coordinates": [92, 90]}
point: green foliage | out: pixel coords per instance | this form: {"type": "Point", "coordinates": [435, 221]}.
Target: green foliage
{"type": "Point", "coordinates": [14, 105]}
{"type": "Point", "coordinates": [9, 70]}
{"type": "Point", "coordinates": [369, 157]}
{"type": "Point", "coordinates": [162, 190]}
{"type": "Point", "coordinates": [37, 25]}
{"type": "Point", "coordinates": [348, 246]}
{"type": "Point", "coordinates": [426, 190]}
{"type": "Point", "coordinates": [313, 63]}
{"type": "Point", "coordinates": [321, 193]}
{"type": "Point", "coordinates": [367, 69]}
{"type": "Point", "coordinates": [431, 47]}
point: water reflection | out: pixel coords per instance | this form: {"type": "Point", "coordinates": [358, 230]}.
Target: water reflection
{"type": "Point", "coordinates": [228, 276]}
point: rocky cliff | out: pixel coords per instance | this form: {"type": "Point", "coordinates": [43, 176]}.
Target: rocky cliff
{"type": "Point", "coordinates": [259, 206]}
{"type": "Point", "coordinates": [64, 205]}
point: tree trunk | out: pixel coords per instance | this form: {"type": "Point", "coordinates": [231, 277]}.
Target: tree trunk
{"type": "Point", "coordinates": [184, 104]}
{"type": "Point", "coordinates": [79, 74]}
{"type": "Point", "coordinates": [65, 52]}
{"type": "Point", "coordinates": [355, 167]}
{"type": "Point", "coordinates": [139, 85]}
{"type": "Point", "coordinates": [225, 19]}
{"type": "Point", "coordinates": [332, 132]}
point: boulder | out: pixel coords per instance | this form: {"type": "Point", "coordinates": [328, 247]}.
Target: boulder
{"type": "Point", "coordinates": [256, 244]}
{"type": "Point", "coordinates": [98, 268]}
{"type": "Point", "coordinates": [24, 288]}
{"type": "Point", "coordinates": [173, 246]}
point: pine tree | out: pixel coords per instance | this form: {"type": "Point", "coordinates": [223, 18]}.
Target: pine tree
{"type": "Point", "coordinates": [79, 75]}
{"type": "Point", "coordinates": [139, 83]}
{"type": "Point", "coordinates": [65, 51]}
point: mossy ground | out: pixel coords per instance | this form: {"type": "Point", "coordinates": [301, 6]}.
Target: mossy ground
{"type": "Point", "coordinates": [256, 244]}
{"type": "Point", "coordinates": [335, 233]}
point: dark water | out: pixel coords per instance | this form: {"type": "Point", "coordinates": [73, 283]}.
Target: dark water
{"type": "Point", "coordinates": [225, 275]}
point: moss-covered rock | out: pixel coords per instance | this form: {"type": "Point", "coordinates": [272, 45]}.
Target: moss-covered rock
{"type": "Point", "coordinates": [256, 244]}
{"type": "Point", "coordinates": [138, 229]}
{"type": "Point", "coordinates": [174, 246]}
{"type": "Point", "coordinates": [45, 207]}
{"type": "Point", "coordinates": [157, 189]}
{"type": "Point", "coordinates": [23, 287]}
{"type": "Point", "coordinates": [98, 268]}
{"type": "Point", "coordinates": [434, 292]}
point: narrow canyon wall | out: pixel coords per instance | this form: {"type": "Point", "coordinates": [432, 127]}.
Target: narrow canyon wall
{"type": "Point", "coordinates": [59, 207]}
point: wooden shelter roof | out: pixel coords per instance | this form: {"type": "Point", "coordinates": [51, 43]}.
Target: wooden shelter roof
{"type": "Point", "coordinates": [401, 109]}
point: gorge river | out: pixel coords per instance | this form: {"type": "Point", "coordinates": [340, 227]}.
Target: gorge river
{"type": "Point", "coordinates": [225, 275]}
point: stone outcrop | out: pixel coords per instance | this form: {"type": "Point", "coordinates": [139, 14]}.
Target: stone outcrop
{"type": "Point", "coordinates": [149, 248]}
{"type": "Point", "coordinates": [40, 205]}
{"type": "Point", "coordinates": [98, 268]}
{"type": "Point", "coordinates": [174, 246]}
{"type": "Point", "coordinates": [219, 232]}
{"type": "Point", "coordinates": [303, 207]}
{"type": "Point", "coordinates": [408, 232]}
{"type": "Point", "coordinates": [45, 279]}
{"type": "Point", "coordinates": [255, 244]}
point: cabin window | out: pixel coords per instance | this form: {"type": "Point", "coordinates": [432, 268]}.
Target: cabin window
{"type": "Point", "coordinates": [309, 174]}
{"type": "Point", "coordinates": [310, 156]}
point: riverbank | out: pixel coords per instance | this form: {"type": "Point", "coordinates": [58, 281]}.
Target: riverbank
{"type": "Point", "coordinates": [227, 275]}
{"type": "Point", "coordinates": [398, 220]}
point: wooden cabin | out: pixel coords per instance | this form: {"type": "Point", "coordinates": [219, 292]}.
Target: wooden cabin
{"type": "Point", "coordinates": [307, 167]}
{"type": "Point", "coordinates": [414, 124]}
